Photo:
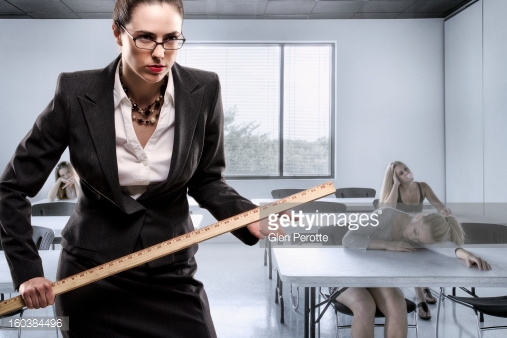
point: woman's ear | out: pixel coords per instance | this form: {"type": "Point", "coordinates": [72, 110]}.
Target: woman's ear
{"type": "Point", "coordinates": [117, 34]}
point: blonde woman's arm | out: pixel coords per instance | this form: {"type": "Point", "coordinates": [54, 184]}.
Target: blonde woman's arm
{"type": "Point", "coordinates": [433, 199]}
{"type": "Point", "coordinates": [54, 189]}
{"type": "Point", "coordinates": [392, 199]}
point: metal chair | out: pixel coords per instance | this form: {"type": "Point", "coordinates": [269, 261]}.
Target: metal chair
{"type": "Point", "coordinates": [43, 238]}
{"type": "Point", "coordinates": [355, 192]}
{"type": "Point", "coordinates": [53, 209]}
{"type": "Point", "coordinates": [491, 306]}
{"type": "Point", "coordinates": [376, 203]}
{"type": "Point", "coordinates": [480, 233]}
{"type": "Point", "coordinates": [485, 233]}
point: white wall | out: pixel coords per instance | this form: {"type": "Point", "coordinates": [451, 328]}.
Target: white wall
{"type": "Point", "coordinates": [476, 106]}
{"type": "Point", "coordinates": [463, 106]}
{"type": "Point", "coordinates": [389, 86]}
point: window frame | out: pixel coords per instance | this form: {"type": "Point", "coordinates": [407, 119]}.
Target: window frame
{"type": "Point", "coordinates": [332, 126]}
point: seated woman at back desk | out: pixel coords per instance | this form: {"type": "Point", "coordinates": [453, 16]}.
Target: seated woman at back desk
{"type": "Point", "coordinates": [66, 185]}
{"type": "Point", "coordinates": [400, 191]}
{"type": "Point", "coordinates": [399, 231]}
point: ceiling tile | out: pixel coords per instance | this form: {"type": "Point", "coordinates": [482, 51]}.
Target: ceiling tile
{"type": "Point", "coordinates": [40, 15]}
{"type": "Point", "coordinates": [6, 7]}
{"type": "Point", "coordinates": [436, 6]}
{"type": "Point", "coordinates": [386, 6]}
{"type": "Point", "coordinates": [240, 17]}
{"type": "Point", "coordinates": [41, 6]}
{"type": "Point", "coordinates": [88, 15]}
{"type": "Point", "coordinates": [375, 15]}
{"type": "Point", "coordinates": [281, 7]}
{"type": "Point", "coordinates": [200, 7]}
{"type": "Point", "coordinates": [91, 6]}
{"type": "Point", "coordinates": [15, 16]}
{"type": "Point", "coordinates": [338, 6]}
{"type": "Point", "coordinates": [242, 7]}
{"type": "Point", "coordinates": [339, 15]}
{"type": "Point", "coordinates": [201, 16]}
{"type": "Point", "coordinates": [286, 17]}
{"type": "Point", "coordinates": [414, 15]}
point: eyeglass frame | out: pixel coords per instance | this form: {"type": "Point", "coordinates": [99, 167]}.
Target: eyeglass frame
{"type": "Point", "coordinates": [156, 43]}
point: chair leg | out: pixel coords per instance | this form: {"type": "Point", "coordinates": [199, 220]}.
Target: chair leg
{"type": "Point", "coordinates": [440, 297]}
{"type": "Point", "coordinates": [479, 332]}
{"type": "Point", "coordinates": [416, 325]}
{"type": "Point", "coordinates": [56, 319]}
{"type": "Point", "coordinates": [294, 299]}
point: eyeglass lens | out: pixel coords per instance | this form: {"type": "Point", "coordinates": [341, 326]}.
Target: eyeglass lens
{"type": "Point", "coordinates": [150, 44]}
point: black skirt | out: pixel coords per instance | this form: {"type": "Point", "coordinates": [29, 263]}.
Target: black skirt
{"type": "Point", "coordinates": [164, 302]}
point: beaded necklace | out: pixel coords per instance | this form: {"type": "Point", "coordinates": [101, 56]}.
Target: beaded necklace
{"type": "Point", "coordinates": [150, 109]}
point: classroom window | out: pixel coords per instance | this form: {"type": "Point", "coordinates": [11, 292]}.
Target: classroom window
{"type": "Point", "coordinates": [277, 101]}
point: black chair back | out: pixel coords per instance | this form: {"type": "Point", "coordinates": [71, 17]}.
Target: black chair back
{"type": "Point", "coordinates": [282, 193]}
{"type": "Point", "coordinates": [485, 233]}
{"type": "Point", "coordinates": [321, 207]}
{"type": "Point", "coordinates": [376, 203]}
{"type": "Point", "coordinates": [53, 209]}
{"type": "Point", "coordinates": [355, 192]}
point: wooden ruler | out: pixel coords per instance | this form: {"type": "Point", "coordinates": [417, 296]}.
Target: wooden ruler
{"type": "Point", "coordinates": [181, 242]}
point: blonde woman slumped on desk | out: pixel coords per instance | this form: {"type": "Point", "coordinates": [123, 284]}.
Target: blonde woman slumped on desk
{"type": "Point", "coordinates": [400, 191]}
{"type": "Point", "coordinates": [399, 231]}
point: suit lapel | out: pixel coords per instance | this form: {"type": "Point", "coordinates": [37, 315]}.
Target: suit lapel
{"type": "Point", "coordinates": [98, 108]}
{"type": "Point", "coordinates": [188, 95]}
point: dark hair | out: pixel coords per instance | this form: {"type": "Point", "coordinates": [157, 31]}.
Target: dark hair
{"type": "Point", "coordinates": [122, 12]}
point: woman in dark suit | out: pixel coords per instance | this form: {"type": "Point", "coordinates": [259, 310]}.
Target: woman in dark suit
{"type": "Point", "coordinates": [142, 133]}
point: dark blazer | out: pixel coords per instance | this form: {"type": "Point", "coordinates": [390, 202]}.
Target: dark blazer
{"type": "Point", "coordinates": [106, 223]}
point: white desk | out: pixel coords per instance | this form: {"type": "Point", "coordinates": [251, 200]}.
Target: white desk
{"type": "Point", "coordinates": [353, 204]}
{"type": "Point", "coordinates": [321, 267]}
{"type": "Point", "coordinates": [49, 263]}
{"type": "Point", "coordinates": [57, 223]}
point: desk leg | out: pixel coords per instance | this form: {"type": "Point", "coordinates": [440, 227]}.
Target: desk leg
{"type": "Point", "coordinates": [312, 312]}
{"type": "Point", "coordinates": [279, 297]}
{"type": "Point", "coordinates": [270, 261]}
{"type": "Point", "coordinates": [266, 251]}
{"type": "Point", "coordinates": [307, 312]}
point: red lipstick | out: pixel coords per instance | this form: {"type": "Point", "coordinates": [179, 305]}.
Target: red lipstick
{"type": "Point", "coordinates": [156, 68]}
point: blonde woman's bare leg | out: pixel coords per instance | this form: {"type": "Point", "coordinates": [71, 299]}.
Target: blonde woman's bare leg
{"type": "Point", "coordinates": [391, 302]}
{"type": "Point", "coordinates": [362, 304]}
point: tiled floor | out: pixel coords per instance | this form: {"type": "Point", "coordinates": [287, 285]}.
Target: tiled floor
{"type": "Point", "coordinates": [242, 302]}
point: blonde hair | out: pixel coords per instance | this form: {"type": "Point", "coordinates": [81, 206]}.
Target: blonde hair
{"type": "Point", "coordinates": [61, 194]}
{"type": "Point", "coordinates": [445, 228]}
{"type": "Point", "coordinates": [387, 184]}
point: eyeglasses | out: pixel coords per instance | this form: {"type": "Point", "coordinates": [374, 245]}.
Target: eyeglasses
{"type": "Point", "coordinates": [143, 42]}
